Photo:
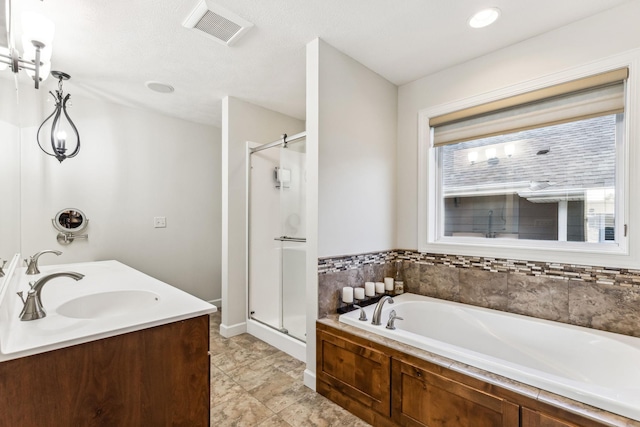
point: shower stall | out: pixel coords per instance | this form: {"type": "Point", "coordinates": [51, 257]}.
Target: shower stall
{"type": "Point", "coordinates": [277, 239]}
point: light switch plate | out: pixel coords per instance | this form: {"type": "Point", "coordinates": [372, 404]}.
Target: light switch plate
{"type": "Point", "coordinates": [159, 222]}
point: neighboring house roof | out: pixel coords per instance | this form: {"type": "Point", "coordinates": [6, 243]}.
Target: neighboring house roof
{"type": "Point", "coordinates": [581, 156]}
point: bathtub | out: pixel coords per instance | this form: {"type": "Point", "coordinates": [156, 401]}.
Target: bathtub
{"type": "Point", "coordinates": [598, 368]}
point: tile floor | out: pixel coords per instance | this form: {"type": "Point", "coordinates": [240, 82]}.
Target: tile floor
{"type": "Point", "coordinates": [255, 384]}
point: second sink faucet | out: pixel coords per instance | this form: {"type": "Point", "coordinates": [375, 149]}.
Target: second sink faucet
{"type": "Point", "coordinates": [377, 312]}
{"type": "Point", "coordinates": [32, 262]}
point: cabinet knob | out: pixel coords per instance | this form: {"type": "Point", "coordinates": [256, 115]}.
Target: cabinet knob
{"type": "Point", "coordinates": [418, 374]}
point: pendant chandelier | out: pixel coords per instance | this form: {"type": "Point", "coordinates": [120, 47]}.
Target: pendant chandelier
{"type": "Point", "coordinates": [37, 40]}
{"type": "Point", "coordinates": [58, 127]}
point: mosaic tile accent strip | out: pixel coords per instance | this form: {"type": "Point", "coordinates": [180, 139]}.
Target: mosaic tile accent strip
{"type": "Point", "coordinates": [353, 262]}
{"type": "Point", "coordinates": [589, 296]}
{"type": "Point", "coordinates": [585, 273]}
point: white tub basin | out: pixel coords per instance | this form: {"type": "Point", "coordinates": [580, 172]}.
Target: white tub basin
{"type": "Point", "coordinates": [594, 367]}
{"type": "Point", "coordinates": [108, 304]}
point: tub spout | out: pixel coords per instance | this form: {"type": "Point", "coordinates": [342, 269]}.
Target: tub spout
{"type": "Point", "coordinates": [377, 312]}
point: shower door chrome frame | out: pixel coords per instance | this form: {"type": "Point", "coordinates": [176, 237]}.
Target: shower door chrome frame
{"type": "Point", "coordinates": [285, 140]}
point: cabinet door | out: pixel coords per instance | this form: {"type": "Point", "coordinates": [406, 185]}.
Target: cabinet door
{"type": "Point", "coordinates": [531, 418]}
{"type": "Point", "coordinates": [423, 398]}
{"type": "Point", "coordinates": [356, 371]}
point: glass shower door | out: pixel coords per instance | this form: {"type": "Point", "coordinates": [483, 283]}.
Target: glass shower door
{"type": "Point", "coordinates": [293, 239]}
{"type": "Point", "coordinates": [277, 238]}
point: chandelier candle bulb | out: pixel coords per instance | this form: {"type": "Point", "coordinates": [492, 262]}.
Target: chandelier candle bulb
{"type": "Point", "coordinates": [347, 294]}
{"type": "Point", "coordinates": [358, 293]}
{"type": "Point", "coordinates": [379, 288]}
{"type": "Point", "coordinates": [388, 283]}
{"type": "Point", "coordinates": [370, 289]}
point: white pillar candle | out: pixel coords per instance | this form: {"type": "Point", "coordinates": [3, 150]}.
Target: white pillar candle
{"type": "Point", "coordinates": [388, 283]}
{"type": "Point", "coordinates": [358, 293]}
{"type": "Point", "coordinates": [347, 294]}
{"type": "Point", "coordinates": [379, 288]}
{"type": "Point", "coordinates": [370, 289]}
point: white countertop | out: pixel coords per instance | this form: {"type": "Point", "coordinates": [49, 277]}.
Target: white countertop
{"type": "Point", "coordinates": [132, 301]}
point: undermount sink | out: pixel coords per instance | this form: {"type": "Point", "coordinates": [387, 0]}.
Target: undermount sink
{"type": "Point", "coordinates": [108, 304]}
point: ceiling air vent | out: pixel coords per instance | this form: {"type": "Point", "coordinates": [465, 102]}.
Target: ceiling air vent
{"type": "Point", "coordinates": [217, 23]}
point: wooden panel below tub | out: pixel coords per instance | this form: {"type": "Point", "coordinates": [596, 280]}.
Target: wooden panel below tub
{"type": "Point", "coordinates": [153, 377]}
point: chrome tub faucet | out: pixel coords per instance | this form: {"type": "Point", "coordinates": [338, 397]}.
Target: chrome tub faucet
{"type": "Point", "coordinates": [392, 318]}
{"type": "Point", "coordinates": [32, 262]}
{"type": "Point", "coordinates": [33, 308]}
{"type": "Point", "coordinates": [377, 312]}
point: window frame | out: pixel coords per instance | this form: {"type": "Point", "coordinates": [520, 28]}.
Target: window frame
{"type": "Point", "coordinates": [626, 251]}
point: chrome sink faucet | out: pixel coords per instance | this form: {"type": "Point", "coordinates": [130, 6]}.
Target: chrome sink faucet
{"type": "Point", "coordinates": [33, 308]}
{"type": "Point", "coordinates": [32, 262]}
{"type": "Point", "coordinates": [377, 312]}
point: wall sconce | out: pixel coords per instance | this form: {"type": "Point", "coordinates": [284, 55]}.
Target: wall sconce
{"type": "Point", "coordinates": [62, 128]}
{"type": "Point", "coordinates": [37, 41]}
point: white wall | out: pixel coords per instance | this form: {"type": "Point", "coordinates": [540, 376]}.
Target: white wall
{"type": "Point", "coordinates": [241, 122]}
{"type": "Point", "coordinates": [577, 44]}
{"type": "Point", "coordinates": [351, 135]}
{"type": "Point", "coordinates": [357, 174]}
{"type": "Point", "coordinates": [9, 171]}
{"type": "Point", "coordinates": [133, 165]}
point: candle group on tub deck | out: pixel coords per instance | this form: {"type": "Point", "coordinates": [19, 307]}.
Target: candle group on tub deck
{"type": "Point", "coordinates": [347, 294]}
{"type": "Point", "coordinates": [388, 283]}
{"type": "Point", "coordinates": [379, 287]}
{"type": "Point", "coordinates": [370, 289]}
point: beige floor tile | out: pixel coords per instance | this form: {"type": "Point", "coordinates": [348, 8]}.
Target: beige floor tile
{"type": "Point", "coordinates": [224, 389]}
{"type": "Point", "coordinates": [244, 411]}
{"type": "Point", "coordinates": [280, 392]}
{"type": "Point", "coordinates": [254, 384]}
{"type": "Point", "coordinates": [234, 359]}
{"type": "Point", "coordinates": [314, 411]}
{"type": "Point", "coordinates": [274, 421]}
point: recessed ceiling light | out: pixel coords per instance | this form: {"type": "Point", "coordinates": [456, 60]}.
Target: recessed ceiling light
{"type": "Point", "coordinates": [159, 87]}
{"type": "Point", "coordinates": [484, 18]}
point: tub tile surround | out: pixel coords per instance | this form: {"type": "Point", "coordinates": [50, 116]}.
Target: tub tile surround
{"type": "Point", "coordinates": [594, 297]}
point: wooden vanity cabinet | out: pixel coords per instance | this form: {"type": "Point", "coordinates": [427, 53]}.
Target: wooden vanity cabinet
{"type": "Point", "coordinates": [387, 387]}
{"type": "Point", "coordinates": [153, 377]}
{"type": "Point", "coordinates": [423, 399]}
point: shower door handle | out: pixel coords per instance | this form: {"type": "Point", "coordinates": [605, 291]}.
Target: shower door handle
{"type": "Point", "coordinates": [291, 239]}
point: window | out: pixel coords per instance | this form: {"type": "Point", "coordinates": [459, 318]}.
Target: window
{"type": "Point", "coordinates": [549, 183]}
{"type": "Point", "coordinates": [541, 170]}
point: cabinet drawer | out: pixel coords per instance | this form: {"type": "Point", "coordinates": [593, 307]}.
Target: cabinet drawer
{"type": "Point", "coordinates": [424, 398]}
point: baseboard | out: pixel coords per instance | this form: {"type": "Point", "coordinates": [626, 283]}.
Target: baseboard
{"type": "Point", "coordinates": [310, 379]}
{"type": "Point", "coordinates": [233, 330]}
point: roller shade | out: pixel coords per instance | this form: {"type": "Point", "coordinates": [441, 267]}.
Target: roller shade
{"type": "Point", "coordinates": [593, 96]}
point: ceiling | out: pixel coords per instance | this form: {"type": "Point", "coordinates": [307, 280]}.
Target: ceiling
{"type": "Point", "coordinates": [112, 47]}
